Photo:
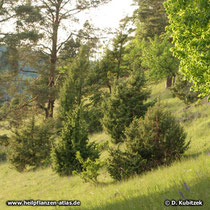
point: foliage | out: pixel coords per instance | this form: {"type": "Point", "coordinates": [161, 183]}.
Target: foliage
{"type": "Point", "coordinates": [75, 85]}
{"type": "Point", "coordinates": [157, 137]}
{"type": "Point", "coordinates": [79, 87]}
{"type": "Point", "coordinates": [113, 65]}
{"type": "Point", "coordinates": [93, 112]}
{"type": "Point", "coordinates": [90, 168]}
{"type": "Point", "coordinates": [3, 144]}
{"type": "Point", "coordinates": [73, 138]}
{"type": "Point", "coordinates": [2, 155]}
{"type": "Point", "coordinates": [40, 44]}
{"type": "Point", "coordinates": [122, 165]}
{"type": "Point", "coordinates": [157, 58]}
{"type": "Point", "coordinates": [29, 146]}
{"type": "Point", "coordinates": [152, 18]}
{"type": "Point", "coordinates": [4, 140]}
{"type": "Point", "coordinates": [189, 28]}
{"type": "Point", "coordinates": [119, 51]}
{"type": "Point", "coordinates": [155, 140]}
{"type": "Point", "coordinates": [3, 147]}
{"type": "Point", "coordinates": [182, 90]}
{"type": "Point", "coordinates": [70, 49]}
{"type": "Point", "coordinates": [104, 70]}
{"type": "Point", "coordinates": [125, 103]}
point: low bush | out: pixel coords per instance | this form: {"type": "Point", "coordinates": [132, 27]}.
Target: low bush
{"type": "Point", "coordinates": [29, 146]}
{"type": "Point", "coordinates": [122, 165]}
{"type": "Point", "coordinates": [155, 140]}
{"type": "Point", "coordinates": [90, 169]}
{"type": "Point", "coordinates": [182, 91]}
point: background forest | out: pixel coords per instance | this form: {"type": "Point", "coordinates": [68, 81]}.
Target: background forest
{"type": "Point", "coordinates": [78, 116]}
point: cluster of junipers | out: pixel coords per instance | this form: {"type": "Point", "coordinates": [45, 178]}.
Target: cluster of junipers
{"type": "Point", "coordinates": [110, 93]}
{"type": "Point", "coordinates": [154, 140]}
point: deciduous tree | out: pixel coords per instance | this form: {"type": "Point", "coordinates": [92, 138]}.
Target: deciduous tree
{"type": "Point", "coordinates": [190, 30]}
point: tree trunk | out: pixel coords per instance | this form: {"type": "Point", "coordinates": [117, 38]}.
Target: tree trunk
{"type": "Point", "coordinates": [50, 107]}
{"type": "Point", "coordinates": [46, 113]}
{"type": "Point", "coordinates": [53, 61]}
{"type": "Point", "coordinates": [169, 82]}
{"type": "Point", "coordinates": [110, 88]}
{"type": "Point", "coordinates": [174, 79]}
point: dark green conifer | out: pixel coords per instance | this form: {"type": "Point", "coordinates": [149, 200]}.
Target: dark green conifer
{"type": "Point", "coordinates": [126, 102]}
{"type": "Point", "coordinates": [73, 139]}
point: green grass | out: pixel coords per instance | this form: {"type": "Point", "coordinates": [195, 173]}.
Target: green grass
{"type": "Point", "coordinates": [147, 191]}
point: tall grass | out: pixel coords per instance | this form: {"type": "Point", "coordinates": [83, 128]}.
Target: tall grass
{"type": "Point", "coordinates": [188, 178]}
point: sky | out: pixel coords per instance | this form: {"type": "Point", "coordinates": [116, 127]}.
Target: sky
{"type": "Point", "coordinates": [106, 16]}
{"type": "Point", "coordinates": [110, 14]}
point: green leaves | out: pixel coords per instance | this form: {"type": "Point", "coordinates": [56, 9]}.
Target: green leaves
{"type": "Point", "coordinates": [90, 169]}
{"type": "Point", "coordinates": [189, 23]}
{"type": "Point", "coordinates": [157, 58]}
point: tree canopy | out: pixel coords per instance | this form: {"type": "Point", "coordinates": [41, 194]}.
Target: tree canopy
{"type": "Point", "coordinates": [190, 30]}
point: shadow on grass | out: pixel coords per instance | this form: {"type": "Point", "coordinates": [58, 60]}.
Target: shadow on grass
{"type": "Point", "coordinates": [104, 184]}
{"type": "Point", "coordinates": [195, 155]}
{"type": "Point", "coordinates": [3, 158]}
{"type": "Point", "coordinates": [199, 190]}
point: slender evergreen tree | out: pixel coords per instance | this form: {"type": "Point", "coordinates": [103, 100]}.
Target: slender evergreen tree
{"type": "Point", "coordinates": [73, 139]}
{"type": "Point", "coordinates": [75, 85]}
{"type": "Point", "coordinates": [126, 102]}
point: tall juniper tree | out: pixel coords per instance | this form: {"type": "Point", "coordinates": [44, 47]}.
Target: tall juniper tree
{"type": "Point", "coordinates": [127, 101]}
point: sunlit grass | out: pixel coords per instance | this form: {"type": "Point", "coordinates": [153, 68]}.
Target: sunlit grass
{"type": "Point", "coordinates": [142, 192]}
{"type": "Point", "coordinates": [147, 191]}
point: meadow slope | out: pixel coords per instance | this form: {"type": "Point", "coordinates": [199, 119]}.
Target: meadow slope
{"type": "Point", "coordinates": [188, 178]}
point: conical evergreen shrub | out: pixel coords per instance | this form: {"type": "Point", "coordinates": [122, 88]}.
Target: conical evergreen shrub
{"type": "Point", "coordinates": [156, 140]}
{"type": "Point", "coordinates": [29, 146]}
{"type": "Point", "coordinates": [126, 102]}
{"type": "Point", "coordinates": [73, 139]}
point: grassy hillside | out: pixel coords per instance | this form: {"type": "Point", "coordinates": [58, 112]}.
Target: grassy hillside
{"type": "Point", "coordinates": [188, 178]}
